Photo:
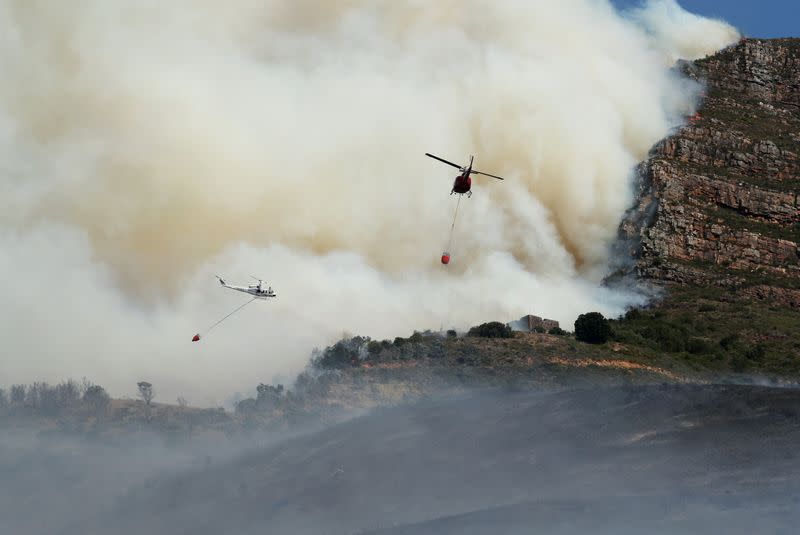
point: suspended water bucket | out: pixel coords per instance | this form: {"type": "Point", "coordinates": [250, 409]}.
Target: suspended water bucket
{"type": "Point", "coordinates": [445, 258]}
{"type": "Point", "coordinates": [196, 338]}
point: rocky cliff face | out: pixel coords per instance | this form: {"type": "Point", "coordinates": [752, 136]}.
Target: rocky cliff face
{"type": "Point", "coordinates": [718, 199]}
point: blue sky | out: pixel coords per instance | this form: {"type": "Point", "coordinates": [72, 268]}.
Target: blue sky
{"type": "Point", "coordinates": [754, 18]}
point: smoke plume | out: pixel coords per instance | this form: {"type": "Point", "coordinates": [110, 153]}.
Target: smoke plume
{"type": "Point", "coordinates": [148, 145]}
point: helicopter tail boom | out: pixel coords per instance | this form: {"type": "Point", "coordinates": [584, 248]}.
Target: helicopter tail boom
{"type": "Point", "coordinates": [487, 174]}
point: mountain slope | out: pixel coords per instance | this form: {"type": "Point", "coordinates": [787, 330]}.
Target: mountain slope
{"type": "Point", "coordinates": [719, 198]}
{"type": "Point", "coordinates": [655, 459]}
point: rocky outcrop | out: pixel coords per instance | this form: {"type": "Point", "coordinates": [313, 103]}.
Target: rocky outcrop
{"type": "Point", "coordinates": [781, 296]}
{"type": "Point", "coordinates": [714, 149]}
{"type": "Point", "coordinates": [718, 200]}
{"type": "Point", "coordinates": [768, 70]}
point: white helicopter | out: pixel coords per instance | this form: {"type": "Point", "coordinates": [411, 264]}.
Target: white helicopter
{"type": "Point", "coordinates": [257, 291]}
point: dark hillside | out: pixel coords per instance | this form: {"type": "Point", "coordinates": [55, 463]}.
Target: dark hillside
{"type": "Point", "coordinates": [658, 459]}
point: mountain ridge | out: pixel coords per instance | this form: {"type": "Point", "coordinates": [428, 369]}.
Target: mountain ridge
{"type": "Point", "coordinates": [718, 199]}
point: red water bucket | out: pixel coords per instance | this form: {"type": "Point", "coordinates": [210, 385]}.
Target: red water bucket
{"type": "Point", "coordinates": [196, 338]}
{"type": "Point", "coordinates": [445, 258]}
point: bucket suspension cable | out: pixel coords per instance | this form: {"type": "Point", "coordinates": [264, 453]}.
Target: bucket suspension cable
{"type": "Point", "coordinates": [230, 314]}
{"type": "Point", "coordinates": [453, 226]}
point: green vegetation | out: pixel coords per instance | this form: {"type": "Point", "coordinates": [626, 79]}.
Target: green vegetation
{"type": "Point", "coordinates": [765, 181]}
{"type": "Point", "coordinates": [733, 219]}
{"type": "Point", "coordinates": [493, 329]}
{"type": "Point", "coordinates": [346, 353]}
{"type": "Point", "coordinates": [751, 118]}
{"type": "Point", "coordinates": [96, 399]}
{"type": "Point", "coordinates": [710, 329]}
{"type": "Point", "coordinates": [68, 398]}
{"type": "Point", "coordinates": [746, 278]}
{"type": "Point", "coordinates": [592, 328]}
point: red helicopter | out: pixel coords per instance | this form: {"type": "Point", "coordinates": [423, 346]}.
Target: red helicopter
{"type": "Point", "coordinates": [461, 185]}
{"type": "Point", "coordinates": [463, 182]}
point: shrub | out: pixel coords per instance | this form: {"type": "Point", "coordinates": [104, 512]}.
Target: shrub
{"type": "Point", "coordinates": [558, 331]}
{"type": "Point", "coordinates": [633, 314]}
{"type": "Point", "coordinates": [452, 333]}
{"type": "Point", "coordinates": [17, 395]}
{"type": "Point", "coordinates": [632, 338]}
{"type": "Point", "coordinates": [48, 399]}
{"type": "Point", "coordinates": [269, 396]}
{"type": "Point", "coordinates": [592, 328]}
{"type": "Point", "coordinates": [344, 353]}
{"type": "Point", "coordinates": [699, 346]}
{"type": "Point", "coordinates": [265, 391]}
{"type": "Point", "coordinates": [96, 400]}
{"type": "Point", "coordinates": [756, 353]}
{"type": "Point", "coordinates": [538, 329]}
{"type": "Point", "coordinates": [245, 406]}
{"type": "Point", "coordinates": [493, 329]}
{"type": "Point", "coordinates": [729, 341]}
{"type": "Point", "coordinates": [374, 347]}
{"type": "Point", "coordinates": [67, 394]}
{"type": "Point", "coordinates": [739, 363]}
{"type": "Point", "coordinates": [667, 337]}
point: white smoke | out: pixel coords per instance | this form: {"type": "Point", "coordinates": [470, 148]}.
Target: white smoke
{"type": "Point", "coordinates": [680, 34]}
{"type": "Point", "coordinates": [148, 145]}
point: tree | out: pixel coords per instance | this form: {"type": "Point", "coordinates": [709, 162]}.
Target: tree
{"type": "Point", "coordinates": [493, 329]}
{"type": "Point", "coordinates": [756, 352]}
{"type": "Point", "coordinates": [146, 392]}
{"type": "Point", "coordinates": [245, 406]}
{"type": "Point", "coordinates": [592, 328]}
{"type": "Point", "coordinates": [32, 395]}
{"type": "Point", "coordinates": [269, 396]}
{"type": "Point", "coordinates": [83, 386]}
{"type": "Point", "coordinates": [67, 394]}
{"type": "Point", "coordinates": [96, 400]}
{"type": "Point", "coordinates": [633, 314]}
{"type": "Point", "coordinates": [3, 399]}
{"type": "Point", "coordinates": [182, 403]}
{"type": "Point", "coordinates": [17, 396]}
{"type": "Point", "coordinates": [48, 399]}
{"type": "Point", "coordinates": [344, 353]}
{"type": "Point", "coordinates": [416, 337]}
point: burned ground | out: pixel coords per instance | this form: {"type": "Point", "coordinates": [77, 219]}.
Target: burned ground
{"type": "Point", "coordinates": [658, 458]}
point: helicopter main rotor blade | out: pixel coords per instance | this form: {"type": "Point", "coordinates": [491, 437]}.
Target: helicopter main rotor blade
{"type": "Point", "coordinates": [487, 174]}
{"type": "Point", "coordinates": [443, 161]}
